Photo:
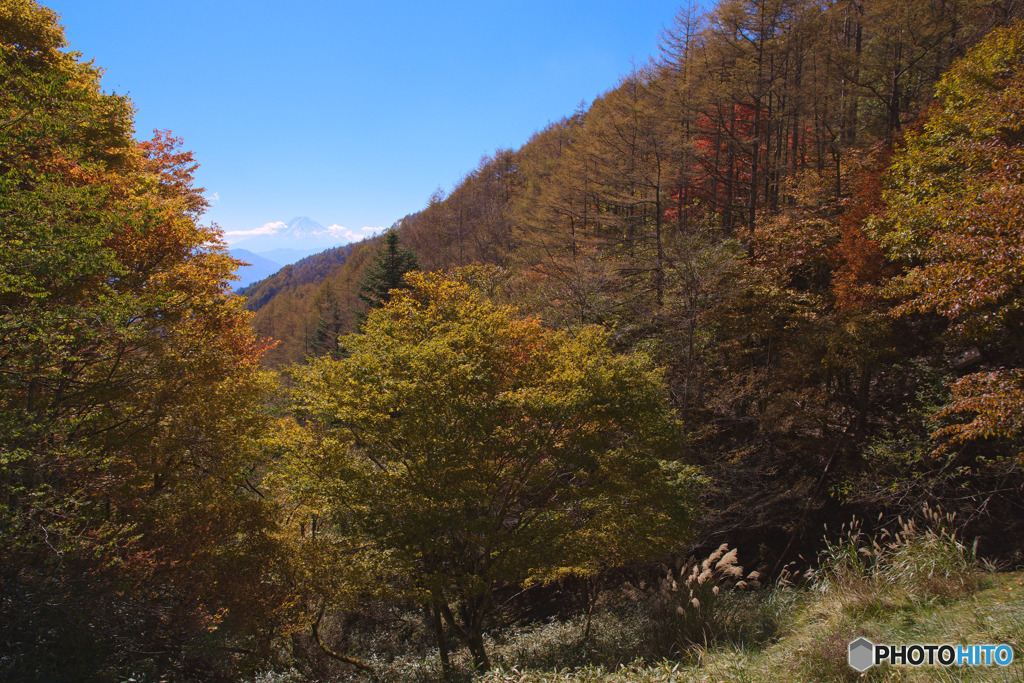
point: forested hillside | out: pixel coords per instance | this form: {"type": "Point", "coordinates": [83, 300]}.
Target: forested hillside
{"type": "Point", "coordinates": [730, 208]}
{"type": "Point", "coordinates": [771, 282]}
{"type": "Point", "coordinates": [293, 303]}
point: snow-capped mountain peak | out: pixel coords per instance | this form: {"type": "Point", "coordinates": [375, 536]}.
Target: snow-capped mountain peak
{"type": "Point", "coordinates": [302, 227]}
{"type": "Point", "coordinates": [300, 233]}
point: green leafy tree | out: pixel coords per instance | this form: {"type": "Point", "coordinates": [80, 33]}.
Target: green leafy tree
{"type": "Point", "coordinates": [476, 450]}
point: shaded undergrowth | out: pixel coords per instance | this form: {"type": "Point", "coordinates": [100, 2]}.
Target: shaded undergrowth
{"type": "Point", "coordinates": [708, 619]}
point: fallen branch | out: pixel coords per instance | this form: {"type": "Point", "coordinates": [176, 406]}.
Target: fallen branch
{"type": "Point", "coordinates": [359, 664]}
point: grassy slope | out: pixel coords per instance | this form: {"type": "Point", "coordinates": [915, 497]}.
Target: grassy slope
{"type": "Point", "coordinates": [813, 646]}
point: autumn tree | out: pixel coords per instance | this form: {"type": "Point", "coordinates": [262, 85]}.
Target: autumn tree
{"type": "Point", "coordinates": [889, 55]}
{"type": "Point", "coordinates": [625, 151]}
{"type": "Point", "coordinates": [130, 387]}
{"type": "Point", "coordinates": [475, 450]}
{"type": "Point", "coordinates": [560, 270]}
{"type": "Point", "coordinates": [954, 226]}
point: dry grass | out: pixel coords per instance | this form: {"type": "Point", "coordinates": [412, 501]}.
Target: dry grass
{"type": "Point", "coordinates": [815, 647]}
{"type": "Point", "coordinates": [692, 604]}
{"type": "Point", "coordinates": [916, 583]}
{"type": "Point", "coordinates": [921, 560]}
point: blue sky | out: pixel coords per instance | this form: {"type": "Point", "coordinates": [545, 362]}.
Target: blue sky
{"type": "Point", "coordinates": [353, 113]}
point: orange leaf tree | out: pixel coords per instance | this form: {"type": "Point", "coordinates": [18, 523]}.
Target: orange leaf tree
{"type": "Point", "coordinates": [130, 385]}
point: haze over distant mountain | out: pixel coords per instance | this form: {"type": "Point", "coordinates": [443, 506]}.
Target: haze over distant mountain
{"type": "Point", "coordinates": [273, 246]}
{"type": "Point", "coordinates": [259, 267]}
{"type": "Point", "coordinates": [289, 242]}
{"type": "Point", "coordinates": [286, 256]}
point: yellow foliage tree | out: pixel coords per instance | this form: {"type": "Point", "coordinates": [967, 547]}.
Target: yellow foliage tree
{"type": "Point", "coordinates": [475, 450]}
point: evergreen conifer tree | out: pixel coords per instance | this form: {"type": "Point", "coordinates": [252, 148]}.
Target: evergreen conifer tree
{"type": "Point", "coordinates": [391, 264]}
{"type": "Point", "coordinates": [324, 322]}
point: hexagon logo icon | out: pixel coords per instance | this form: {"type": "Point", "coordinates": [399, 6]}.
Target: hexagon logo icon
{"type": "Point", "coordinates": [862, 654]}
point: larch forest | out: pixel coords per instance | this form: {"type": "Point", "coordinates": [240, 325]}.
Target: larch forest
{"type": "Point", "coordinates": [745, 332]}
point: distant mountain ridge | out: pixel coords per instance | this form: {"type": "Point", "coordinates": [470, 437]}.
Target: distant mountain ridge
{"type": "Point", "coordinates": [285, 256]}
{"type": "Point", "coordinates": [259, 266]}
{"type": "Point", "coordinates": [288, 243]}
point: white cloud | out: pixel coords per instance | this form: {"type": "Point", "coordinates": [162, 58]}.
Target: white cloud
{"type": "Point", "coordinates": [215, 197]}
{"type": "Point", "coordinates": [233, 236]}
{"type": "Point", "coordinates": [329, 235]}
{"type": "Point", "coordinates": [342, 233]}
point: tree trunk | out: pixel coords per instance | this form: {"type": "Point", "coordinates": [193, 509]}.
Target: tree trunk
{"type": "Point", "coordinates": [472, 632]}
{"type": "Point", "coordinates": [476, 646]}
{"type": "Point", "coordinates": [442, 644]}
